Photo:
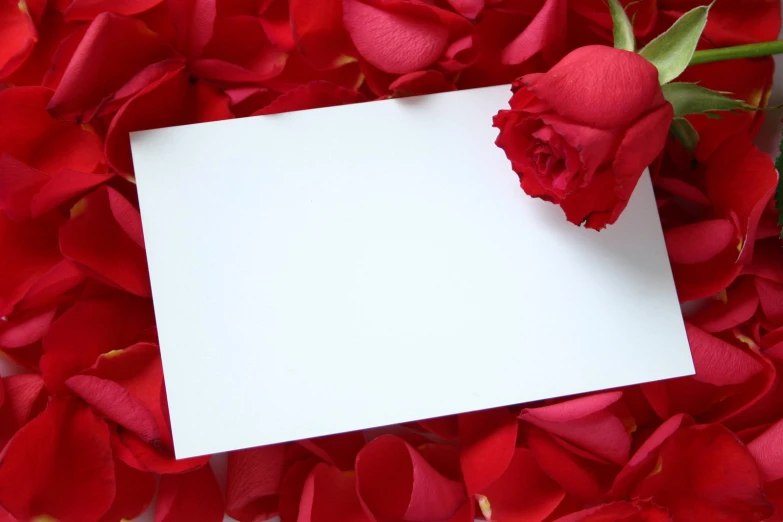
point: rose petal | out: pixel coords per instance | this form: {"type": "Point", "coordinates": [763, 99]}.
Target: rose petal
{"type": "Point", "coordinates": [586, 423]}
{"type": "Point", "coordinates": [392, 41]}
{"type": "Point", "coordinates": [767, 449]}
{"type": "Point", "coordinates": [18, 35]}
{"type": "Point", "coordinates": [90, 9]}
{"type": "Point", "coordinates": [106, 238]}
{"type": "Point", "coordinates": [194, 495]}
{"type": "Point", "coordinates": [395, 482]}
{"type": "Point", "coordinates": [543, 35]}
{"type": "Point", "coordinates": [329, 495]}
{"type": "Point", "coordinates": [137, 454]}
{"type": "Point", "coordinates": [113, 50]}
{"type": "Point", "coordinates": [487, 440]}
{"type": "Point", "coordinates": [340, 449]}
{"type": "Point", "coordinates": [42, 142]}
{"type": "Point", "coordinates": [62, 187]}
{"type": "Point", "coordinates": [705, 473]}
{"type": "Point", "coordinates": [18, 184]}
{"type": "Point", "coordinates": [614, 87]}
{"type": "Point", "coordinates": [194, 21]}
{"type": "Point", "coordinates": [253, 481]}
{"type": "Point", "coordinates": [698, 242]}
{"type": "Point", "coordinates": [619, 511]}
{"type": "Point", "coordinates": [26, 328]}
{"type": "Point", "coordinates": [59, 465]}
{"type": "Point", "coordinates": [89, 328]}
{"type": "Point", "coordinates": [420, 82]}
{"type": "Point", "coordinates": [312, 95]}
{"type": "Point", "coordinates": [739, 306]}
{"type": "Point", "coordinates": [522, 493]}
{"type": "Point", "coordinates": [319, 32]}
{"type": "Point", "coordinates": [135, 490]}
{"type": "Point", "coordinates": [24, 399]}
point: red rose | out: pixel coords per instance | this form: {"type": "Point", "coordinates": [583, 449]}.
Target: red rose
{"type": "Point", "coordinates": [581, 134]}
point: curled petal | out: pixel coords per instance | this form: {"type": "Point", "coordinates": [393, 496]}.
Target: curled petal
{"type": "Point", "coordinates": [194, 495]}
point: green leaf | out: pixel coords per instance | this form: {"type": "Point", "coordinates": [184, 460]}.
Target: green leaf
{"type": "Point", "coordinates": [690, 98]}
{"type": "Point", "coordinates": [622, 27]}
{"type": "Point", "coordinates": [779, 193]}
{"type": "Point", "coordinates": [685, 133]}
{"type": "Point", "coordinates": [672, 51]}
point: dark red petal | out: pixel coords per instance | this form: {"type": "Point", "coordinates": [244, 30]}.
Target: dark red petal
{"type": "Point", "coordinates": [767, 449]}
{"type": "Point", "coordinates": [195, 23]}
{"type": "Point", "coordinates": [106, 238]}
{"type": "Point", "coordinates": [140, 455]}
{"type": "Point", "coordinates": [18, 184]}
{"type": "Point", "coordinates": [771, 300]}
{"type": "Point", "coordinates": [395, 482]}
{"type": "Point", "coordinates": [420, 82]}
{"type": "Point", "coordinates": [312, 95]}
{"type": "Point", "coordinates": [702, 280]}
{"type": "Point", "coordinates": [24, 399]}
{"type": "Point", "coordinates": [740, 181]}
{"type": "Point", "coordinates": [291, 489]}
{"type": "Point", "coordinates": [18, 34]}
{"type": "Point", "coordinates": [470, 9]}
{"type": "Point", "coordinates": [58, 280]}
{"type": "Point", "coordinates": [113, 50]}
{"type": "Point", "coordinates": [699, 242]}
{"type": "Point", "coordinates": [60, 465]}
{"type": "Point", "coordinates": [523, 493]}
{"type": "Point", "coordinates": [576, 475]}
{"type": "Point", "coordinates": [706, 473]}
{"type": "Point", "coordinates": [134, 493]}
{"type": "Point", "coordinates": [329, 495]}
{"type": "Point", "coordinates": [62, 187]}
{"type": "Point", "coordinates": [42, 142]}
{"type": "Point", "coordinates": [593, 205]}
{"type": "Point", "coordinates": [740, 304]}
{"type": "Point", "coordinates": [619, 512]}
{"type": "Point", "coordinates": [615, 87]}
{"type": "Point", "coordinates": [340, 449]}
{"type": "Point", "coordinates": [642, 462]}
{"type": "Point", "coordinates": [253, 481]}
{"type": "Point", "coordinates": [239, 52]}
{"type": "Point", "coordinates": [89, 328]}
{"type": "Point", "coordinates": [319, 32]}
{"type": "Point", "coordinates": [29, 251]}
{"type": "Point", "coordinates": [543, 35]}
{"type": "Point", "coordinates": [172, 100]}
{"type": "Point", "coordinates": [586, 423]}
{"type": "Point", "coordinates": [487, 439]}
{"type": "Point", "coordinates": [90, 9]}
{"type": "Point", "coordinates": [190, 496]}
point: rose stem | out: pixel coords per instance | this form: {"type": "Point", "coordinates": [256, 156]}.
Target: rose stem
{"type": "Point", "coordinates": [740, 51]}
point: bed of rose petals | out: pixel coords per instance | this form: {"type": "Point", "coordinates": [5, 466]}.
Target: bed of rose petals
{"type": "Point", "coordinates": [84, 432]}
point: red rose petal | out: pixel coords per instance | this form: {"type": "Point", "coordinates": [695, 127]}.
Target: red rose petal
{"type": "Point", "coordinates": [577, 476]}
{"type": "Point", "coordinates": [89, 328]}
{"type": "Point", "coordinates": [395, 482]}
{"type": "Point", "coordinates": [594, 100]}
{"type": "Point", "coordinates": [319, 32]}
{"type": "Point", "coordinates": [106, 238]}
{"type": "Point", "coordinates": [705, 473]}
{"type": "Point", "coordinates": [62, 187]}
{"type": "Point", "coordinates": [18, 35]}
{"type": "Point", "coordinates": [420, 82]}
{"type": "Point", "coordinates": [58, 280]}
{"type": "Point", "coordinates": [25, 328]}
{"type": "Point", "coordinates": [702, 280]}
{"type": "Point", "coordinates": [544, 34]}
{"type": "Point", "coordinates": [586, 423]}
{"type": "Point", "coordinates": [194, 21]}
{"type": "Point", "coordinates": [18, 184]}
{"type": "Point", "coordinates": [718, 362]}
{"type": "Point", "coordinates": [29, 251]}
{"type": "Point", "coordinates": [523, 493]}
{"type": "Point", "coordinates": [444, 427]}
{"type": "Point", "coordinates": [642, 462]}
{"type": "Point", "coordinates": [113, 50]}
{"type": "Point", "coordinates": [767, 449]}
{"type": "Point", "coordinates": [253, 481]}
{"type": "Point", "coordinates": [740, 181]}
{"type": "Point", "coordinates": [330, 495]}
{"type": "Point", "coordinates": [172, 100]}
{"type": "Point", "coordinates": [90, 9]}
{"type": "Point", "coordinates": [135, 490]}
{"type": "Point", "coordinates": [24, 399]}
{"type": "Point", "coordinates": [487, 440]}
{"type": "Point", "coordinates": [42, 142]}
{"type": "Point", "coordinates": [392, 41]}
{"type": "Point", "coordinates": [190, 496]}
{"type": "Point", "coordinates": [718, 315]}
{"type": "Point", "coordinates": [312, 95]}
{"type": "Point", "coordinates": [619, 512]}
{"type": "Point", "coordinates": [340, 449]}
{"type": "Point", "coordinates": [60, 465]}
{"type": "Point", "coordinates": [140, 455]}
{"type": "Point", "coordinates": [291, 489]}
{"type": "Point", "coordinates": [470, 9]}
{"type": "Point", "coordinates": [699, 242]}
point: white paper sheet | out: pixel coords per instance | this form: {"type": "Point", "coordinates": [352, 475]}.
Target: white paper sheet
{"type": "Point", "coordinates": [350, 267]}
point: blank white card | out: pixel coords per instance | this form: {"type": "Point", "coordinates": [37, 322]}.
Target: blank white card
{"type": "Point", "coordinates": [335, 269]}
